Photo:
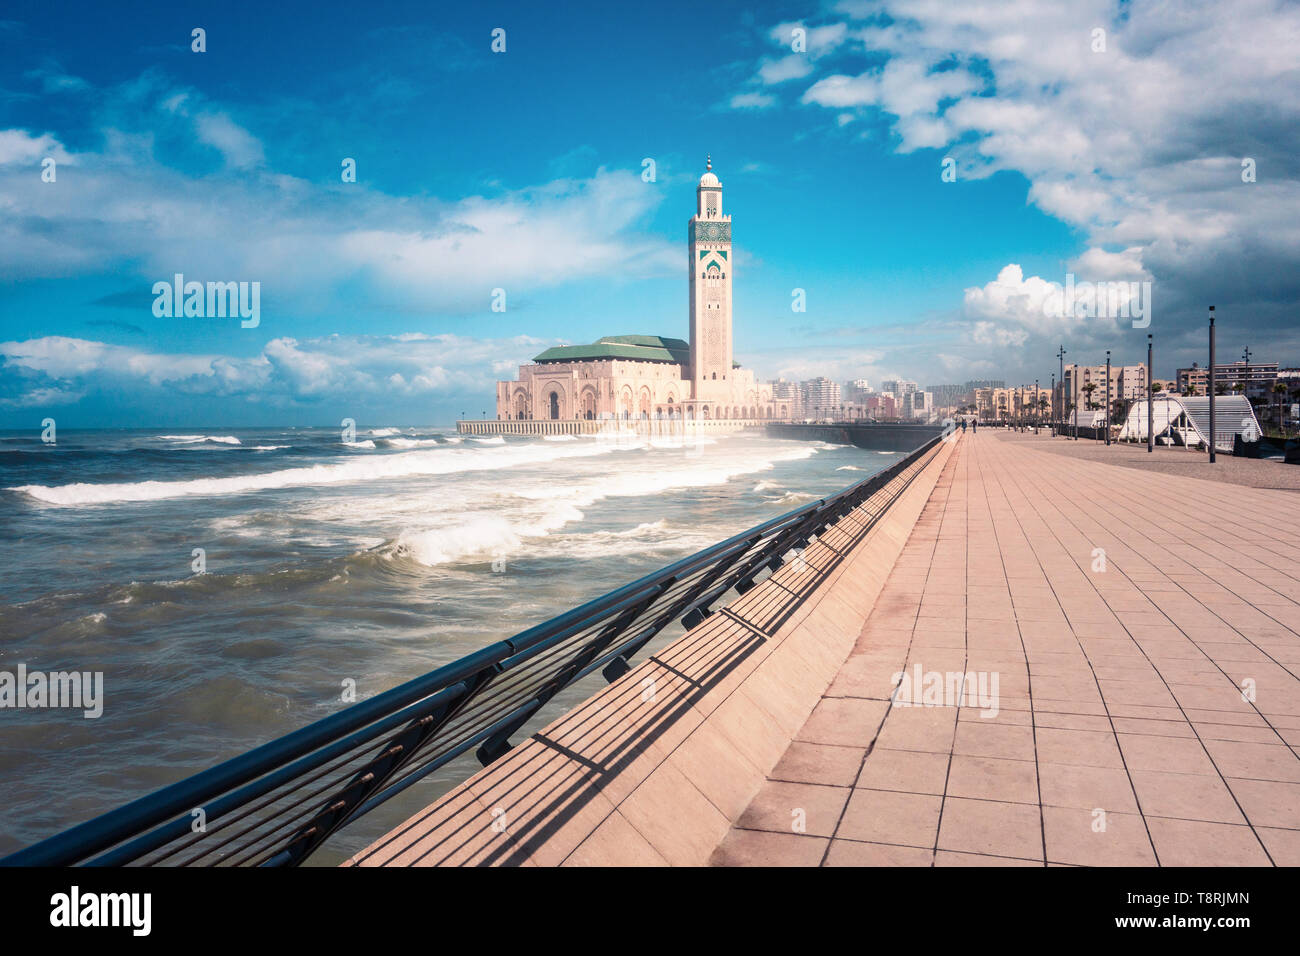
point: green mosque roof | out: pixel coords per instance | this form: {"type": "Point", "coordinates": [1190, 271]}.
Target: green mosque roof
{"type": "Point", "coordinates": [638, 348]}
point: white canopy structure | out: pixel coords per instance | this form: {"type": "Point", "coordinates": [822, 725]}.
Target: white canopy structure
{"type": "Point", "coordinates": [1086, 418]}
{"type": "Point", "coordinates": [1185, 420]}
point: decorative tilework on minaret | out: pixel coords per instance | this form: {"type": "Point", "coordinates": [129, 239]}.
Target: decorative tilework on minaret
{"type": "Point", "coordinates": [709, 243]}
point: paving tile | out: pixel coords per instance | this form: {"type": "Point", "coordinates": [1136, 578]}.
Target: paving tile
{"type": "Point", "coordinates": [1085, 838]}
{"type": "Point", "coordinates": [844, 721]}
{"type": "Point", "coordinates": [826, 764]}
{"type": "Point", "coordinates": [1083, 748]}
{"type": "Point", "coordinates": [765, 848]}
{"type": "Point", "coordinates": [1282, 845]}
{"type": "Point", "coordinates": [910, 771]}
{"type": "Point", "coordinates": [952, 858]}
{"type": "Point", "coordinates": [1086, 788]}
{"type": "Point", "coordinates": [1268, 803]}
{"type": "Point", "coordinates": [880, 816]}
{"type": "Point", "coordinates": [1148, 752]}
{"type": "Point", "coordinates": [795, 808]}
{"type": "Point", "coordinates": [857, 853]}
{"type": "Point", "coordinates": [993, 778]}
{"type": "Point", "coordinates": [1260, 761]}
{"type": "Point", "coordinates": [1197, 843]}
{"type": "Point", "coordinates": [978, 738]}
{"type": "Point", "coordinates": [992, 828]}
{"type": "Point", "coordinates": [1188, 796]}
{"type": "Point", "coordinates": [919, 728]}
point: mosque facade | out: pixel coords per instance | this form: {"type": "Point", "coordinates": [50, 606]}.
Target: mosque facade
{"type": "Point", "coordinates": [651, 376]}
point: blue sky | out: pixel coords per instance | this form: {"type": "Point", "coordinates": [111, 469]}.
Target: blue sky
{"type": "Point", "coordinates": [522, 170]}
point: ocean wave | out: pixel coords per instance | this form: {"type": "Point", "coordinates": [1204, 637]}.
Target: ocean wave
{"type": "Point", "coordinates": [793, 498]}
{"type": "Point", "coordinates": [848, 468]}
{"type": "Point", "coordinates": [543, 508]}
{"type": "Point", "coordinates": [768, 486]}
{"type": "Point", "coordinates": [484, 536]}
{"type": "Point", "coordinates": [409, 442]}
{"type": "Point", "coordinates": [268, 447]}
{"type": "Point", "coordinates": [385, 432]}
{"type": "Point", "coordinates": [365, 445]}
{"type": "Point", "coordinates": [369, 468]}
{"type": "Point", "coordinates": [198, 439]}
{"type": "Point", "coordinates": [559, 438]}
{"type": "Point", "coordinates": [494, 440]}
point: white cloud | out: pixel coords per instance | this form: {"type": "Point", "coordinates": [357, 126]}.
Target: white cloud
{"type": "Point", "coordinates": [792, 67]}
{"type": "Point", "coordinates": [59, 370]}
{"type": "Point", "coordinates": [1139, 147]}
{"type": "Point", "coordinates": [840, 91]}
{"type": "Point", "coordinates": [752, 101]}
{"type": "Point", "coordinates": [20, 148]}
{"type": "Point", "coordinates": [1010, 298]}
{"type": "Point", "coordinates": [129, 209]}
{"type": "Point", "coordinates": [239, 147]}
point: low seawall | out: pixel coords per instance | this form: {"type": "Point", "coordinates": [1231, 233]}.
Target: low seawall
{"type": "Point", "coordinates": [642, 427]}
{"type": "Point", "coordinates": [875, 437]}
{"type": "Point", "coordinates": [656, 767]}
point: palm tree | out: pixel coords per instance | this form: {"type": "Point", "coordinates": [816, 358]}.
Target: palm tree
{"type": "Point", "coordinates": [1280, 389]}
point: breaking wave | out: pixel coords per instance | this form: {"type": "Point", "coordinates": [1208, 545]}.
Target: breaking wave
{"type": "Point", "coordinates": [369, 468]}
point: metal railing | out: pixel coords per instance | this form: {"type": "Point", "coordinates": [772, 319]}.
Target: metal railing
{"type": "Point", "coordinates": [278, 803]}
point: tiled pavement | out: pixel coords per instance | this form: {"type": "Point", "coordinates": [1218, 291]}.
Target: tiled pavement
{"type": "Point", "coordinates": [1122, 733]}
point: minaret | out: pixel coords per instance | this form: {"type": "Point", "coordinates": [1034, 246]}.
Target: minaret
{"type": "Point", "coordinates": [709, 241]}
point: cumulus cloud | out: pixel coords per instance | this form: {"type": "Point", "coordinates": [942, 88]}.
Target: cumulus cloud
{"type": "Point", "coordinates": [59, 370]}
{"type": "Point", "coordinates": [1137, 136]}
{"type": "Point", "coordinates": [133, 205]}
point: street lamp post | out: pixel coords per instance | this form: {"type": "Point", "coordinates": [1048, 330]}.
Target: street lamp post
{"type": "Point", "coordinates": [1037, 410]}
{"type": "Point", "coordinates": [1108, 396]}
{"type": "Point", "coordinates": [1151, 404]}
{"type": "Point", "coordinates": [1211, 386]}
{"type": "Point", "coordinates": [1074, 399]}
{"type": "Point", "coordinates": [1060, 354]}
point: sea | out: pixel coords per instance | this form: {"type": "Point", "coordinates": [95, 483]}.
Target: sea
{"type": "Point", "coordinates": [235, 584]}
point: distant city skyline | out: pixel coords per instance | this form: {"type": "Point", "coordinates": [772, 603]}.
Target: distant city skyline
{"type": "Point", "coordinates": [918, 190]}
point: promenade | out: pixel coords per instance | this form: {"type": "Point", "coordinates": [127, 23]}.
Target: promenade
{"type": "Point", "coordinates": [1101, 669]}
{"type": "Point", "coordinates": [1144, 630]}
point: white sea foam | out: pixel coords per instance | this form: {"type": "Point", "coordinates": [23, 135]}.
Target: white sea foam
{"type": "Point", "coordinates": [494, 440]}
{"type": "Point", "coordinates": [768, 486]}
{"type": "Point", "coordinates": [484, 536]}
{"type": "Point", "coordinates": [560, 438]}
{"type": "Point", "coordinates": [197, 439]}
{"type": "Point", "coordinates": [365, 445]}
{"type": "Point", "coordinates": [793, 498]}
{"type": "Point", "coordinates": [268, 447]}
{"type": "Point", "coordinates": [848, 468]}
{"type": "Point", "coordinates": [410, 442]}
{"type": "Point", "coordinates": [369, 468]}
{"type": "Point", "coordinates": [516, 516]}
{"type": "Point", "coordinates": [385, 432]}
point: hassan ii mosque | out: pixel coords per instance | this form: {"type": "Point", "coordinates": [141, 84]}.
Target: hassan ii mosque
{"type": "Point", "coordinates": [651, 376]}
